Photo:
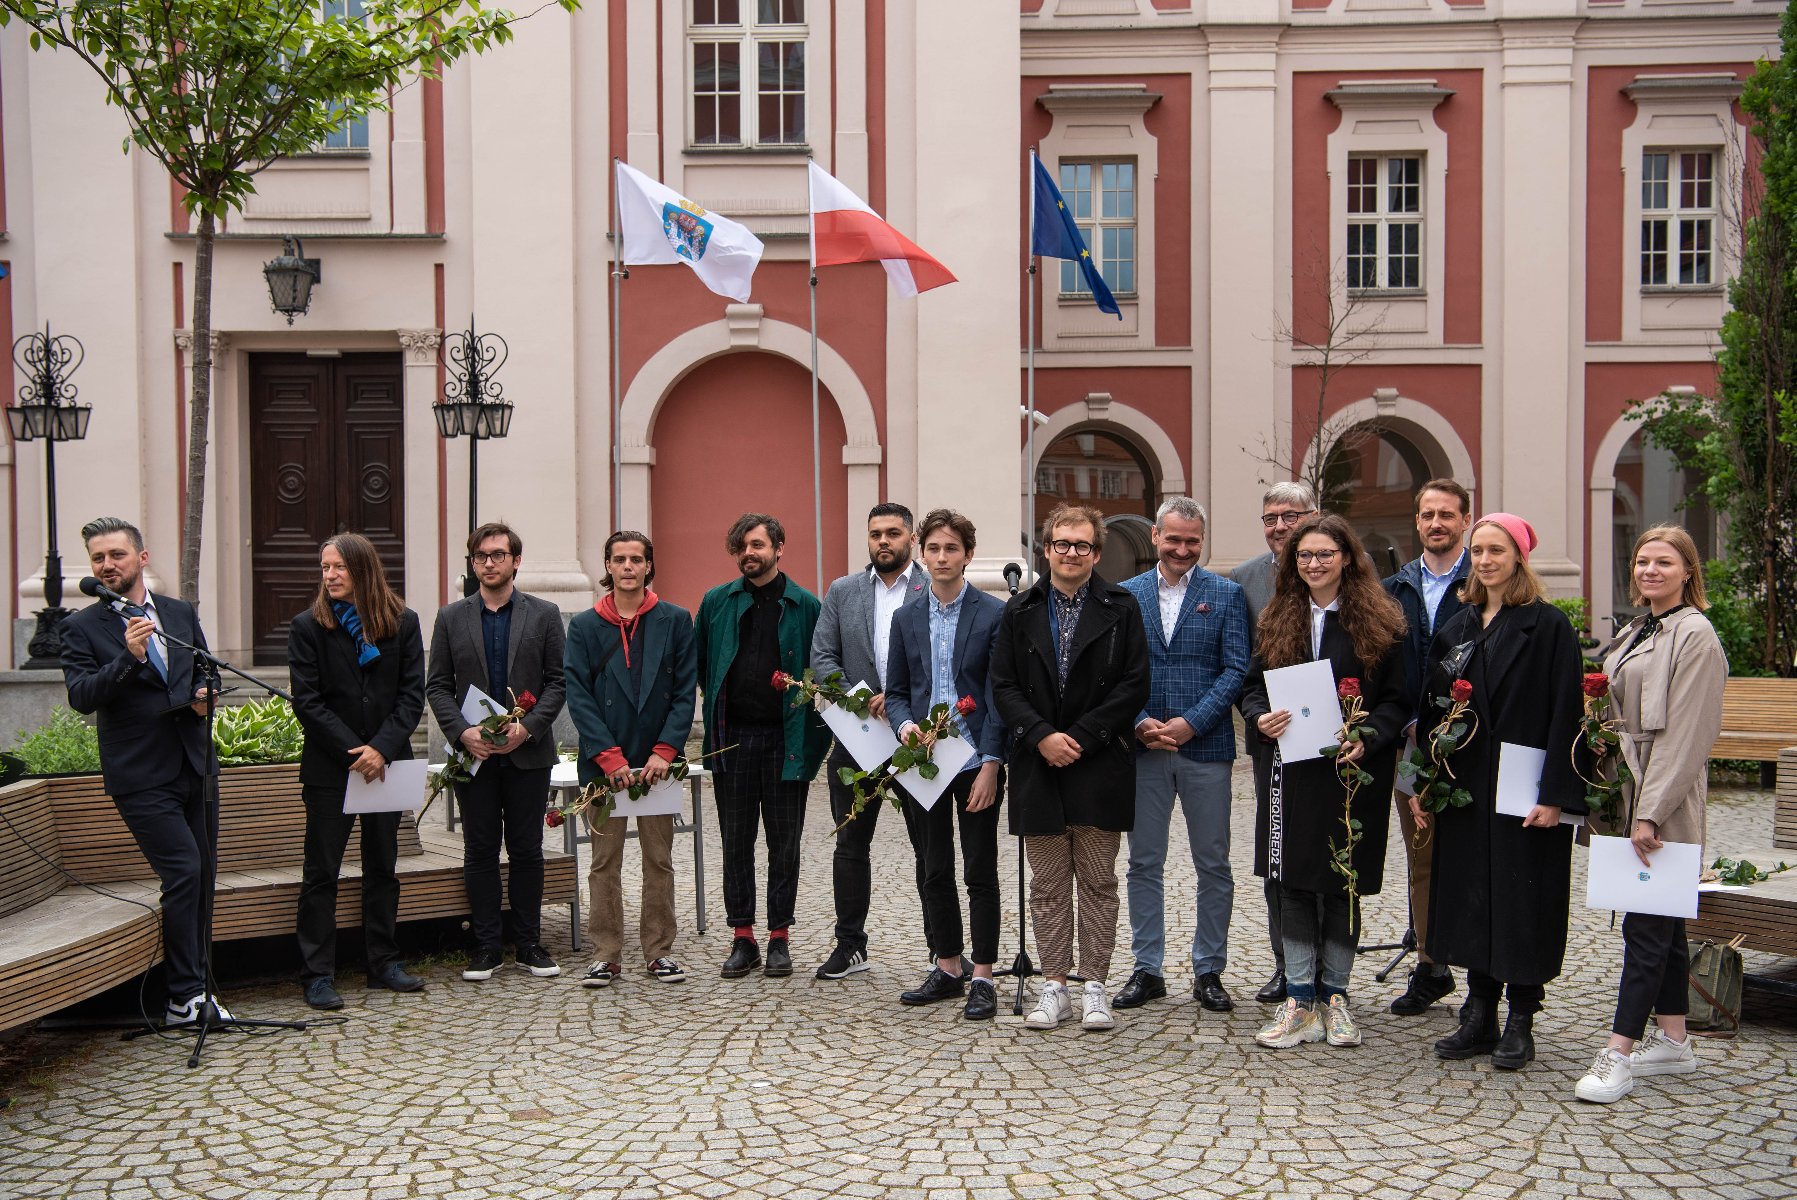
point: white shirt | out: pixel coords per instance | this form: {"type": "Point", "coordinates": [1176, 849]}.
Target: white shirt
{"type": "Point", "coordinates": [1316, 625]}
{"type": "Point", "coordinates": [887, 599]}
{"type": "Point", "coordinates": [1172, 596]}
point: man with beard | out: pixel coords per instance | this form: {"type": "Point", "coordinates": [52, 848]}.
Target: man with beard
{"type": "Point", "coordinates": [118, 664]}
{"type": "Point", "coordinates": [750, 629]}
{"type": "Point", "coordinates": [852, 635]}
{"type": "Point", "coordinates": [1428, 590]}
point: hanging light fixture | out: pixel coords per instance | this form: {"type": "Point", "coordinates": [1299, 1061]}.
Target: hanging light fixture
{"type": "Point", "coordinates": [291, 277]}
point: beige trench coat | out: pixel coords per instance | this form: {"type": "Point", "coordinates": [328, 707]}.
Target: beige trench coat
{"type": "Point", "coordinates": [1668, 693]}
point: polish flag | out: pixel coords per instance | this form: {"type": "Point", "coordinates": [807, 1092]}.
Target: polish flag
{"type": "Point", "coordinates": [845, 230]}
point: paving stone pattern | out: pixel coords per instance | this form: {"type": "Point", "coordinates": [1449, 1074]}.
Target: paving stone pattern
{"type": "Point", "coordinates": [797, 1088]}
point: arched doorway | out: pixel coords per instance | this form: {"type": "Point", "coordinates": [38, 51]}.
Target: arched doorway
{"type": "Point", "coordinates": [1371, 478]}
{"type": "Point", "coordinates": [1096, 467]}
{"type": "Point", "coordinates": [1652, 489]}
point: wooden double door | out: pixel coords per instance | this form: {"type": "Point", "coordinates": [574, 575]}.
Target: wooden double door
{"type": "Point", "coordinates": [327, 454]}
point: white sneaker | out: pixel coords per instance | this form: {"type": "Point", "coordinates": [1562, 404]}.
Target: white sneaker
{"type": "Point", "coordinates": [1296, 1023]}
{"type": "Point", "coordinates": [1609, 1079]}
{"type": "Point", "coordinates": [1051, 1009]}
{"type": "Point", "coordinates": [188, 1012]}
{"type": "Point", "coordinates": [1098, 1008]}
{"type": "Point", "coordinates": [1338, 1023]}
{"type": "Point", "coordinates": [1657, 1054]}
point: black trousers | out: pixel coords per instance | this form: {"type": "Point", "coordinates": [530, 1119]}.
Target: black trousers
{"type": "Point", "coordinates": [176, 830]}
{"type": "Point", "coordinates": [750, 793]}
{"type": "Point", "coordinates": [327, 834]}
{"type": "Point", "coordinates": [851, 863]}
{"type": "Point", "coordinates": [504, 802]}
{"type": "Point", "coordinates": [1656, 965]}
{"type": "Point", "coordinates": [1525, 998]}
{"type": "Point", "coordinates": [979, 866]}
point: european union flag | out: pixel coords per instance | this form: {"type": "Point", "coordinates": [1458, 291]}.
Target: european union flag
{"type": "Point", "coordinates": [1056, 236]}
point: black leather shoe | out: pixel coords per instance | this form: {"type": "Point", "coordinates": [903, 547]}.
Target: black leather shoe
{"type": "Point", "coordinates": [937, 985]}
{"type": "Point", "coordinates": [1210, 993]}
{"type": "Point", "coordinates": [779, 959]}
{"type": "Point", "coordinates": [322, 993]}
{"type": "Point", "coordinates": [394, 978]}
{"type": "Point", "coordinates": [1142, 987]}
{"type": "Point", "coordinates": [1424, 990]}
{"type": "Point", "coordinates": [1516, 1049]}
{"type": "Point", "coordinates": [1273, 990]}
{"type": "Point", "coordinates": [982, 1000]}
{"type": "Point", "coordinates": [1478, 1032]}
{"type": "Point", "coordinates": [745, 956]}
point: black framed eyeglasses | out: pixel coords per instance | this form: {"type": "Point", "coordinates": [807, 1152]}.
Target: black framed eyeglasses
{"type": "Point", "coordinates": [1077, 549]}
{"type": "Point", "coordinates": [498, 556]}
{"type": "Point", "coordinates": [1284, 518]}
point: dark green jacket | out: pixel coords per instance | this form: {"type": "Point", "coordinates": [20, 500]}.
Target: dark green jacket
{"type": "Point", "coordinates": [720, 620]}
{"type": "Point", "coordinates": [600, 696]}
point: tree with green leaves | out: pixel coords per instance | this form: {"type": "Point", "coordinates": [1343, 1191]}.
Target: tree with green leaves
{"type": "Point", "coordinates": [216, 90]}
{"type": "Point", "coordinates": [1744, 438]}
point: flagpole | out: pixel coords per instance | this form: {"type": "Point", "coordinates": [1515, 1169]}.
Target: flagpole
{"type": "Point", "coordinates": [618, 273]}
{"type": "Point", "coordinates": [817, 471]}
{"type": "Point", "coordinates": [1029, 466]}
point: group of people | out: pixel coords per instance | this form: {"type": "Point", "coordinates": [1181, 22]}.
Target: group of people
{"type": "Point", "coordinates": [1091, 707]}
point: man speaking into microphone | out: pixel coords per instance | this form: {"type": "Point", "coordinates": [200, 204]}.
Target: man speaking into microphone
{"type": "Point", "coordinates": [118, 662]}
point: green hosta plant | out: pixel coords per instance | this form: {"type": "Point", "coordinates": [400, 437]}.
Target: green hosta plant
{"type": "Point", "coordinates": [63, 745]}
{"type": "Point", "coordinates": [262, 732]}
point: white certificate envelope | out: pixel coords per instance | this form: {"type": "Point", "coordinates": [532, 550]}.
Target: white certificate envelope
{"type": "Point", "coordinates": [1519, 781]}
{"type": "Point", "coordinates": [667, 798]}
{"type": "Point", "coordinates": [868, 740]}
{"type": "Point", "coordinates": [1666, 888]}
{"type": "Point", "coordinates": [1401, 785]}
{"type": "Point", "coordinates": [1307, 691]}
{"type": "Point", "coordinates": [401, 791]}
{"type": "Point", "coordinates": [477, 706]}
{"type": "Point", "coordinates": [951, 754]}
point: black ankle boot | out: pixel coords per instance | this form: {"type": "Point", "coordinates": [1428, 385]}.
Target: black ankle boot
{"type": "Point", "coordinates": [1517, 1049]}
{"type": "Point", "coordinates": [1478, 1032]}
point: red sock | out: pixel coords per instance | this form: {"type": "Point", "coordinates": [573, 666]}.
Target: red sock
{"type": "Point", "coordinates": [776, 935]}
{"type": "Point", "coordinates": [746, 931]}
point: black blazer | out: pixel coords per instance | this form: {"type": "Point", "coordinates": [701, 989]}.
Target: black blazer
{"type": "Point", "coordinates": [533, 664]}
{"type": "Point", "coordinates": [342, 705]}
{"type": "Point", "coordinates": [142, 743]}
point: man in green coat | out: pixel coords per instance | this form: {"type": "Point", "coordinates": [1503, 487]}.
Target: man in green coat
{"type": "Point", "coordinates": [748, 630]}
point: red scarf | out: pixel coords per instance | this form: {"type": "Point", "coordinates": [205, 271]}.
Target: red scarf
{"type": "Point", "coordinates": [607, 609]}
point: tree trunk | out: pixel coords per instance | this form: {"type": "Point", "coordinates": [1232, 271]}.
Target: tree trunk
{"type": "Point", "coordinates": [199, 409]}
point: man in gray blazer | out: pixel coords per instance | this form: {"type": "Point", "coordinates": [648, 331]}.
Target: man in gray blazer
{"type": "Point", "coordinates": [508, 644]}
{"type": "Point", "coordinates": [851, 637]}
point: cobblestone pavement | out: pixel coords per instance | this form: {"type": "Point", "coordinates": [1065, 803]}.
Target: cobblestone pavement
{"type": "Point", "coordinates": [520, 1087]}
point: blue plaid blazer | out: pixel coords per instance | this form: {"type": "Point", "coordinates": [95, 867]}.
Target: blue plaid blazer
{"type": "Point", "coordinates": [1200, 673]}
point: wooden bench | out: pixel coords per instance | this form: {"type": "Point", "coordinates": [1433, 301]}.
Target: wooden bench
{"type": "Point", "coordinates": [61, 942]}
{"type": "Point", "coordinates": [1764, 915]}
{"type": "Point", "coordinates": [1759, 718]}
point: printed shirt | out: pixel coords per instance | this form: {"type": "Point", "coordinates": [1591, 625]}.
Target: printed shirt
{"type": "Point", "coordinates": [1172, 596]}
{"type": "Point", "coordinates": [1436, 586]}
{"type": "Point", "coordinates": [887, 600]}
{"type": "Point", "coordinates": [1063, 623]}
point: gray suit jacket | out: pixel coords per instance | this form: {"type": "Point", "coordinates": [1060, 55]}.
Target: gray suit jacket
{"type": "Point", "coordinates": [1256, 577]}
{"type": "Point", "coordinates": [458, 659]}
{"type": "Point", "coordinates": [844, 638]}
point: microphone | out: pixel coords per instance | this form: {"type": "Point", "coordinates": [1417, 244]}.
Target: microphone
{"type": "Point", "coordinates": [93, 587]}
{"type": "Point", "coordinates": [1013, 577]}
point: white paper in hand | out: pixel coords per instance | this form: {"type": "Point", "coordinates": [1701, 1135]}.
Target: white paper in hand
{"type": "Point", "coordinates": [401, 791]}
{"type": "Point", "coordinates": [1401, 785]}
{"type": "Point", "coordinates": [868, 740]}
{"type": "Point", "coordinates": [1519, 781]}
{"type": "Point", "coordinates": [1667, 888]}
{"type": "Point", "coordinates": [667, 798]}
{"type": "Point", "coordinates": [1307, 691]}
{"type": "Point", "coordinates": [477, 706]}
{"type": "Point", "coordinates": [952, 755]}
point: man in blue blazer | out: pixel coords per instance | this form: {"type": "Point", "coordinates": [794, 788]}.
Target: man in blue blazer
{"type": "Point", "coordinates": [1198, 646]}
{"type": "Point", "coordinates": [940, 650]}
{"type": "Point", "coordinates": [154, 756]}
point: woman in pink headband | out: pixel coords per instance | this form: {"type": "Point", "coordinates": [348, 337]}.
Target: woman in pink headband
{"type": "Point", "coordinates": [1501, 882]}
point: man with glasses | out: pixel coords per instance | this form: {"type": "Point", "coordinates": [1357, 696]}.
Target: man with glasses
{"type": "Point", "coordinates": [507, 643]}
{"type": "Point", "coordinates": [1070, 676]}
{"type": "Point", "coordinates": [1281, 508]}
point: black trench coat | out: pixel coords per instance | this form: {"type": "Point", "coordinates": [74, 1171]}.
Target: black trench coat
{"type": "Point", "coordinates": [1500, 892]}
{"type": "Point", "coordinates": [1311, 792]}
{"type": "Point", "coordinates": [1107, 685]}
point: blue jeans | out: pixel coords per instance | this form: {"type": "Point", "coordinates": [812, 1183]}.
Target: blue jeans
{"type": "Point", "coordinates": [1307, 940]}
{"type": "Point", "coordinates": [1203, 792]}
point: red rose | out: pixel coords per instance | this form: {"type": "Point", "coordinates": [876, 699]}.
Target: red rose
{"type": "Point", "coordinates": [782, 681]}
{"type": "Point", "coordinates": [526, 701]}
{"type": "Point", "coordinates": [553, 818]}
{"type": "Point", "coordinates": [1597, 685]}
{"type": "Point", "coordinates": [1348, 688]}
{"type": "Point", "coordinates": [965, 705]}
{"type": "Point", "coordinates": [1462, 691]}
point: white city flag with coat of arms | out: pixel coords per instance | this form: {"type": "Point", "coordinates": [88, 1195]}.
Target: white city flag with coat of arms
{"type": "Point", "coordinates": [662, 226]}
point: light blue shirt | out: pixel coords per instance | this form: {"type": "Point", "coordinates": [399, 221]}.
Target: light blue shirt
{"type": "Point", "coordinates": [945, 620]}
{"type": "Point", "coordinates": [1436, 586]}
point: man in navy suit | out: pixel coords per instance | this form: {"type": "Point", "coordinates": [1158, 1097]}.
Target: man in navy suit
{"type": "Point", "coordinates": [941, 647]}
{"type": "Point", "coordinates": [1198, 635]}
{"type": "Point", "coordinates": [120, 665]}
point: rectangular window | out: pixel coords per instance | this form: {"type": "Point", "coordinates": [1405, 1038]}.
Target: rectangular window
{"type": "Point", "coordinates": [1678, 218]}
{"type": "Point", "coordinates": [747, 64]}
{"type": "Point", "coordinates": [1385, 223]}
{"type": "Point", "coordinates": [1102, 198]}
{"type": "Point", "coordinates": [353, 133]}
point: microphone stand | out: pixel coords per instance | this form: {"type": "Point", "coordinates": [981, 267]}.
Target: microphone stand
{"type": "Point", "coordinates": [1021, 967]}
{"type": "Point", "coordinates": [207, 667]}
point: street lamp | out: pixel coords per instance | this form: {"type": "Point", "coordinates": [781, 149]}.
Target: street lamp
{"type": "Point", "coordinates": [46, 410]}
{"type": "Point", "coordinates": [291, 277]}
{"type": "Point", "coordinates": [473, 406]}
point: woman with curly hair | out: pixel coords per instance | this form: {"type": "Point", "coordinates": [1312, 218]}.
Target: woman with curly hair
{"type": "Point", "coordinates": [1327, 604]}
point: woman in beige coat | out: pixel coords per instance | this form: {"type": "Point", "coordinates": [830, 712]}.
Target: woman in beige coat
{"type": "Point", "coordinates": [1666, 672]}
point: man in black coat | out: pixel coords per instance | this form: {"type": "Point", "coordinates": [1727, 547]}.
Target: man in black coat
{"type": "Point", "coordinates": [154, 756]}
{"type": "Point", "coordinates": [1069, 675]}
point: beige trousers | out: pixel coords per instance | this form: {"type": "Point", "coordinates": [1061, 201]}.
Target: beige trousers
{"type": "Point", "coordinates": [1088, 857]}
{"type": "Point", "coordinates": [605, 889]}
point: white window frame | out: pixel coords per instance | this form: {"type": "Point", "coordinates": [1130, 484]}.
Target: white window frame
{"type": "Point", "coordinates": [351, 137]}
{"type": "Point", "coordinates": [748, 34]}
{"type": "Point", "coordinates": [1395, 219]}
{"type": "Point", "coordinates": [1094, 225]}
{"type": "Point", "coordinates": [1669, 203]}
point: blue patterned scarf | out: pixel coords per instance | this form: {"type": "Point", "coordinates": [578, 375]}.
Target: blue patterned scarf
{"type": "Point", "coordinates": [351, 620]}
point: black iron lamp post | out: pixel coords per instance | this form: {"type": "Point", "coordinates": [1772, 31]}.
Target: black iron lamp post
{"type": "Point", "coordinates": [473, 406]}
{"type": "Point", "coordinates": [291, 277]}
{"type": "Point", "coordinates": [46, 410]}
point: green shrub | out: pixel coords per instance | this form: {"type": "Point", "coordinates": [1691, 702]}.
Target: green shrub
{"type": "Point", "coordinates": [64, 744]}
{"type": "Point", "coordinates": [1736, 617]}
{"type": "Point", "coordinates": [259, 733]}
